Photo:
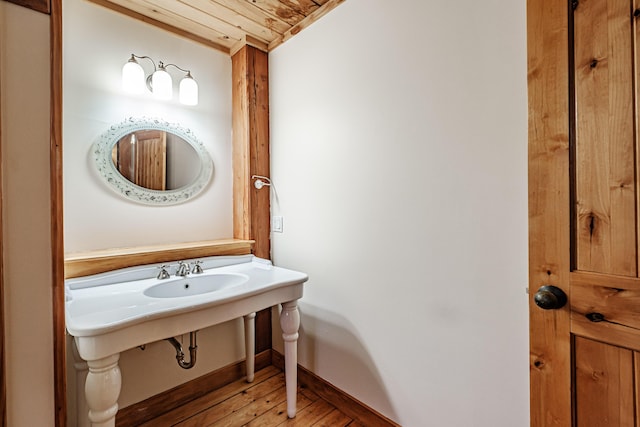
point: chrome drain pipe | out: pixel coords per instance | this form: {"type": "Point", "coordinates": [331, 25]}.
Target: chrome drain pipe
{"type": "Point", "coordinates": [180, 354]}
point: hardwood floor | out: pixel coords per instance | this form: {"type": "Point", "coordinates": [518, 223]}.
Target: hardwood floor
{"type": "Point", "coordinates": [259, 404]}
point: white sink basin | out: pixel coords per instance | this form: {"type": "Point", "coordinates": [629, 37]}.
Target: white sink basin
{"type": "Point", "coordinates": [195, 285]}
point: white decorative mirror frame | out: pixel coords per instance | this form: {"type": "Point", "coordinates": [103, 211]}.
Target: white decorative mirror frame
{"type": "Point", "coordinates": [102, 155]}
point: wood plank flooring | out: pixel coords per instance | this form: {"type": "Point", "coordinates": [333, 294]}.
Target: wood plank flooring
{"type": "Point", "coordinates": [259, 404]}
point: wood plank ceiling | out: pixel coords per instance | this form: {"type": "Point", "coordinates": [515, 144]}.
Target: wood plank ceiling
{"type": "Point", "coordinates": [227, 25]}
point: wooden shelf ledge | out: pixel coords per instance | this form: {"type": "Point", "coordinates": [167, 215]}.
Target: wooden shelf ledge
{"type": "Point", "coordinates": [94, 262]}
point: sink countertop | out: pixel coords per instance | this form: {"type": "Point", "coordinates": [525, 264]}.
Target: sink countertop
{"type": "Point", "coordinates": [95, 305]}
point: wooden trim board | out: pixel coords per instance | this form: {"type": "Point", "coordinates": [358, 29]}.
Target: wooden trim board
{"type": "Point", "coordinates": [338, 398]}
{"type": "Point", "coordinates": [169, 400]}
{"type": "Point", "coordinates": [3, 387]}
{"type": "Point", "coordinates": [57, 230]}
{"type": "Point", "coordinates": [43, 6]}
{"type": "Point", "coordinates": [83, 264]}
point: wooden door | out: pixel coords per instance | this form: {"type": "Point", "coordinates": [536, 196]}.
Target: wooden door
{"type": "Point", "coordinates": [151, 160]}
{"type": "Point", "coordinates": [141, 157]}
{"type": "Point", "coordinates": [583, 211]}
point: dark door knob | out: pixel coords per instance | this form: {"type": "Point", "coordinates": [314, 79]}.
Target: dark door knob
{"type": "Point", "coordinates": [550, 298]}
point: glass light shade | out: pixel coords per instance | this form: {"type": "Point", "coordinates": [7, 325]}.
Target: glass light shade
{"type": "Point", "coordinates": [188, 91]}
{"type": "Point", "coordinates": [132, 77]}
{"type": "Point", "coordinates": [162, 84]}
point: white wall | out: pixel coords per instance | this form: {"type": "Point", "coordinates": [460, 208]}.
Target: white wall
{"type": "Point", "coordinates": [399, 157]}
{"type": "Point", "coordinates": [97, 43]}
{"type": "Point", "coordinates": [24, 98]}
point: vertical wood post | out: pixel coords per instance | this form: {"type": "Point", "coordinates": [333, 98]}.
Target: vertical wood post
{"type": "Point", "coordinates": [3, 387]}
{"type": "Point", "coordinates": [57, 231]}
{"type": "Point", "coordinates": [251, 207]}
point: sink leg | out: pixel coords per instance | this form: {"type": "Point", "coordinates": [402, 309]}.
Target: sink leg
{"type": "Point", "coordinates": [290, 322]}
{"type": "Point", "coordinates": [102, 389]}
{"type": "Point", "coordinates": [82, 410]}
{"type": "Point", "coordinates": [250, 344]}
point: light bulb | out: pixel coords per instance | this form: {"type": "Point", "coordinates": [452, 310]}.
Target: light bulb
{"type": "Point", "coordinates": [162, 84]}
{"type": "Point", "coordinates": [188, 90]}
{"type": "Point", "coordinates": [132, 77]}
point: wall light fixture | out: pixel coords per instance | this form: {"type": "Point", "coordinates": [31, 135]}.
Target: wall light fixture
{"type": "Point", "coordinates": [159, 82]}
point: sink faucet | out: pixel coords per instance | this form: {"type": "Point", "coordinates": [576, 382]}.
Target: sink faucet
{"type": "Point", "coordinates": [163, 273]}
{"type": "Point", "coordinates": [197, 267]}
{"type": "Point", "coordinates": [183, 269]}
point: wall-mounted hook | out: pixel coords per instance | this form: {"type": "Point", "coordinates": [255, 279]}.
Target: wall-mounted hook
{"type": "Point", "coordinates": [261, 181]}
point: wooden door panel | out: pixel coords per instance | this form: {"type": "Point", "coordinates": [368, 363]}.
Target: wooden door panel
{"type": "Point", "coordinates": [602, 304]}
{"type": "Point", "coordinates": [151, 160]}
{"type": "Point", "coordinates": [605, 183]}
{"type": "Point", "coordinates": [616, 298]}
{"type": "Point", "coordinates": [604, 384]}
{"type": "Point", "coordinates": [610, 333]}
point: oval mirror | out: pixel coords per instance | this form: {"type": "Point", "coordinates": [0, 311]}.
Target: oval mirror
{"type": "Point", "coordinates": [153, 161]}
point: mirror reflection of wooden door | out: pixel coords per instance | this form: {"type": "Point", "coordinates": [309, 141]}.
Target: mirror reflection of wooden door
{"type": "Point", "coordinates": [141, 157]}
{"type": "Point", "coordinates": [583, 212]}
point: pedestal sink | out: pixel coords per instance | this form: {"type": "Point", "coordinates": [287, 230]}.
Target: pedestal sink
{"type": "Point", "coordinates": [113, 312]}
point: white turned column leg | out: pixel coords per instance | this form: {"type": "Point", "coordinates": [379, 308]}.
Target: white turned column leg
{"type": "Point", "coordinates": [102, 389]}
{"type": "Point", "coordinates": [82, 369]}
{"type": "Point", "coordinates": [290, 322]}
{"type": "Point", "coordinates": [250, 344]}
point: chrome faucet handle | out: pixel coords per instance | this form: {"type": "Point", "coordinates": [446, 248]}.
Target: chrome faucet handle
{"type": "Point", "coordinates": [183, 269]}
{"type": "Point", "coordinates": [163, 273]}
{"type": "Point", "coordinates": [197, 267]}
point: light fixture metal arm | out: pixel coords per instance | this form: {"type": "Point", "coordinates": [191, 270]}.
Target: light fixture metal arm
{"type": "Point", "coordinates": [133, 56]}
{"type": "Point", "coordinates": [179, 68]}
